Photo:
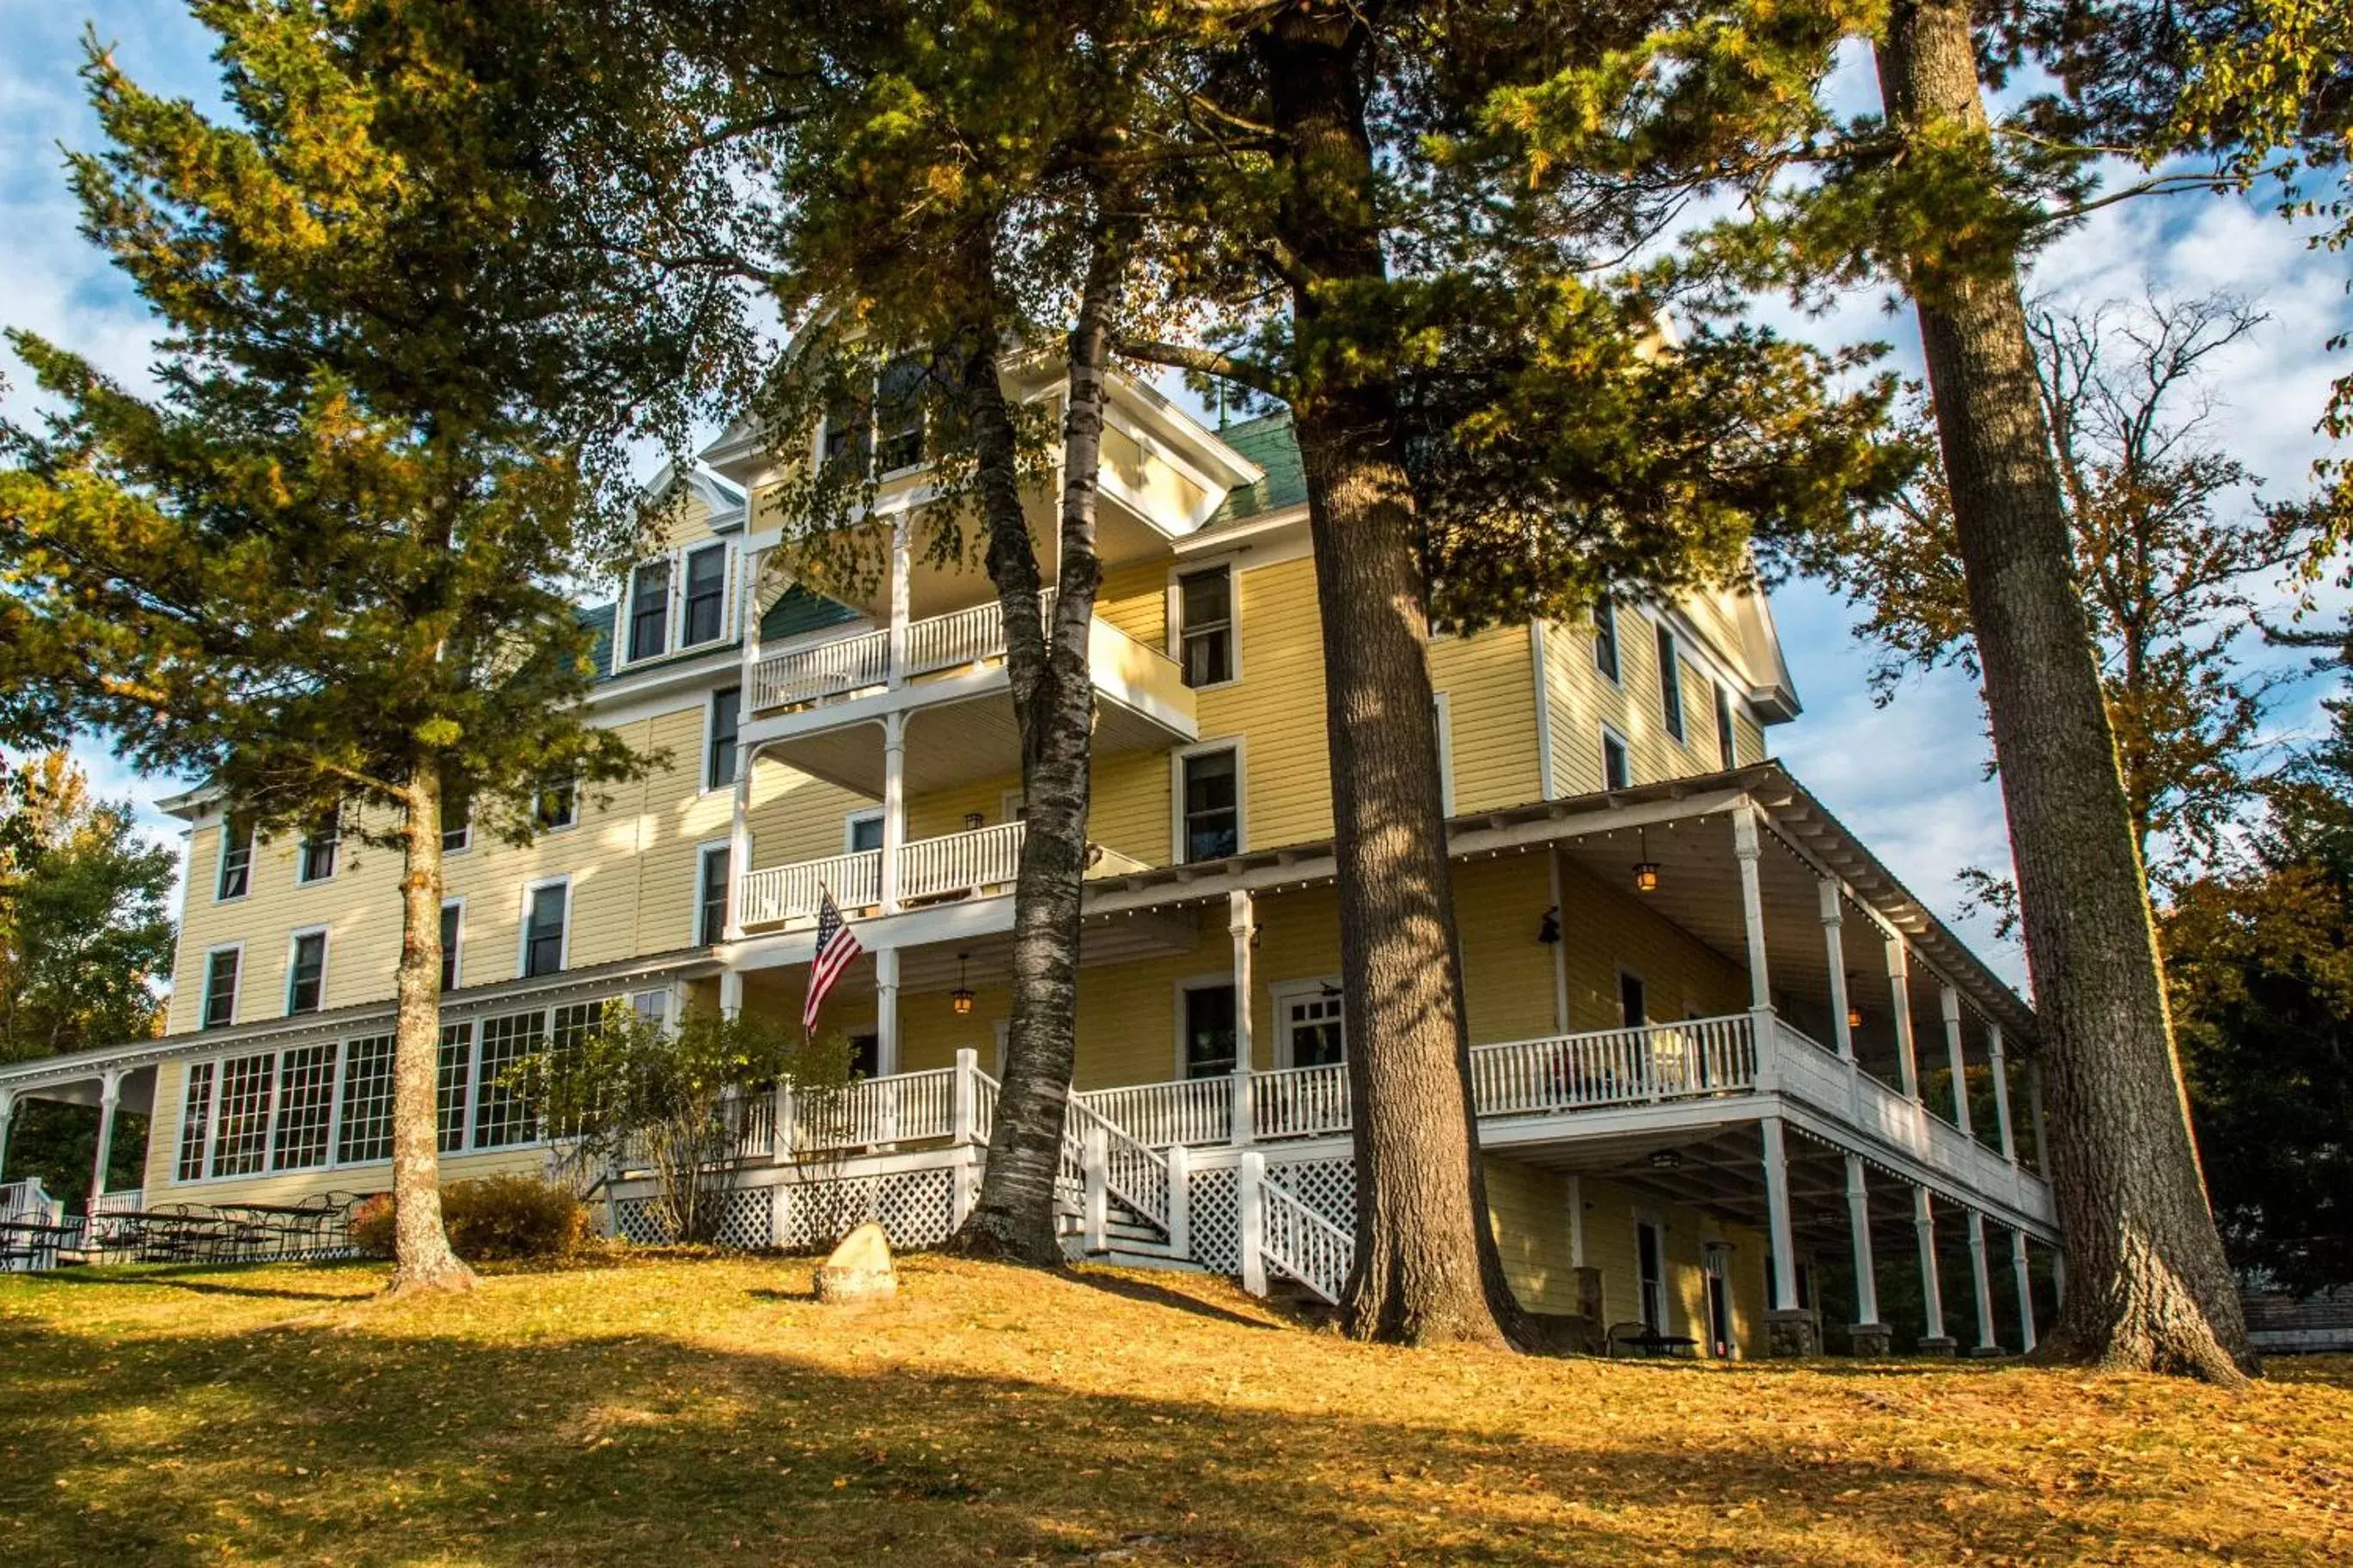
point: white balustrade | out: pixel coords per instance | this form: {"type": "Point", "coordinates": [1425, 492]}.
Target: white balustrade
{"type": "Point", "coordinates": [793, 892]}
{"type": "Point", "coordinates": [1614, 1067]}
{"type": "Point", "coordinates": [1136, 1176]}
{"type": "Point", "coordinates": [1190, 1110]}
{"type": "Point", "coordinates": [812, 674]}
{"type": "Point", "coordinates": [1300, 1102]}
{"type": "Point", "coordinates": [1302, 1242]}
{"type": "Point", "coordinates": [752, 1126]}
{"type": "Point", "coordinates": [27, 1201]}
{"type": "Point", "coordinates": [983, 1106]}
{"type": "Point", "coordinates": [961, 862]}
{"type": "Point", "coordinates": [128, 1202]}
{"type": "Point", "coordinates": [902, 1109]}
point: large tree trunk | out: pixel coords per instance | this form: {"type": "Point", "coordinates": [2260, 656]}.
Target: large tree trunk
{"type": "Point", "coordinates": [1426, 1269]}
{"type": "Point", "coordinates": [2148, 1284]}
{"type": "Point", "coordinates": [422, 1261]}
{"type": "Point", "coordinates": [1053, 702]}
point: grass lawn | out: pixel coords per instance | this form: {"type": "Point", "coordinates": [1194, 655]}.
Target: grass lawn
{"type": "Point", "coordinates": [680, 1412]}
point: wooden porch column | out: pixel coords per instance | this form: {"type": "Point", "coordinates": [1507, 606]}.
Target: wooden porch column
{"type": "Point", "coordinates": [1748, 850]}
{"type": "Point", "coordinates": [1948, 1001]}
{"type": "Point", "coordinates": [1899, 990]}
{"type": "Point", "coordinates": [902, 591]}
{"type": "Point", "coordinates": [1867, 1326]}
{"type": "Point", "coordinates": [886, 1011]}
{"type": "Point", "coordinates": [731, 992]}
{"type": "Point", "coordinates": [1779, 1232]}
{"type": "Point", "coordinates": [7, 1113]}
{"type": "Point", "coordinates": [1924, 1226]}
{"type": "Point", "coordinates": [1250, 1190]}
{"type": "Point", "coordinates": [2024, 1280]}
{"type": "Point", "coordinates": [1241, 925]}
{"type": "Point", "coordinates": [739, 829]}
{"type": "Point", "coordinates": [1982, 1286]}
{"type": "Point", "coordinates": [2002, 1093]}
{"type": "Point", "coordinates": [1834, 945]}
{"type": "Point", "coordinates": [110, 1093]}
{"type": "Point", "coordinates": [1559, 948]}
{"type": "Point", "coordinates": [894, 805]}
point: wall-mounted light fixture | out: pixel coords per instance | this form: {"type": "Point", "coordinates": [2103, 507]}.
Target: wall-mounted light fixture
{"type": "Point", "coordinates": [972, 821]}
{"type": "Point", "coordinates": [1548, 929]}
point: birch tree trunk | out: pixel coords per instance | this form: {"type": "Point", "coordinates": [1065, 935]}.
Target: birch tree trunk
{"type": "Point", "coordinates": [422, 1261]}
{"type": "Point", "coordinates": [2148, 1284]}
{"type": "Point", "coordinates": [1426, 1269]}
{"type": "Point", "coordinates": [1053, 702]}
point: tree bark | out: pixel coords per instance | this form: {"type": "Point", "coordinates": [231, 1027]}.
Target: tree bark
{"type": "Point", "coordinates": [1426, 1269]}
{"type": "Point", "coordinates": [2148, 1284]}
{"type": "Point", "coordinates": [422, 1261]}
{"type": "Point", "coordinates": [1053, 702]}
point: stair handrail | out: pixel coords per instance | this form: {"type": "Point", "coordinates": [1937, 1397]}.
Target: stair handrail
{"type": "Point", "coordinates": [1135, 1172]}
{"type": "Point", "coordinates": [1298, 1240]}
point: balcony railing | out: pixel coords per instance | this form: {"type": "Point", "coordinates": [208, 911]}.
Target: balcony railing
{"type": "Point", "coordinates": [977, 861]}
{"type": "Point", "coordinates": [855, 663]}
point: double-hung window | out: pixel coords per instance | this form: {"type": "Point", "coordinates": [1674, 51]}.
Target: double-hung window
{"type": "Point", "coordinates": [220, 986]}
{"type": "Point", "coordinates": [1605, 637]}
{"type": "Point", "coordinates": [848, 435]}
{"type": "Point", "coordinates": [557, 808]}
{"type": "Point", "coordinates": [547, 910]}
{"type": "Point", "coordinates": [236, 858]}
{"type": "Point", "coordinates": [706, 595]}
{"type": "Point", "coordinates": [1671, 684]}
{"type": "Point", "coordinates": [1210, 824]}
{"type": "Point", "coordinates": [320, 847]}
{"type": "Point", "coordinates": [1209, 1036]}
{"type": "Point", "coordinates": [861, 831]}
{"type": "Point", "coordinates": [710, 895]}
{"type": "Point", "coordinates": [1728, 738]}
{"type": "Point", "coordinates": [719, 751]}
{"type": "Point", "coordinates": [899, 415]}
{"type": "Point", "coordinates": [1205, 621]}
{"type": "Point", "coordinates": [306, 973]}
{"type": "Point", "coordinates": [453, 937]}
{"type": "Point", "coordinates": [456, 821]}
{"type": "Point", "coordinates": [649, 611]}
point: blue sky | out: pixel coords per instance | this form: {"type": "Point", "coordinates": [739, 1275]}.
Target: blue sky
{"type": "Point", "coordinates": [1908, 777]}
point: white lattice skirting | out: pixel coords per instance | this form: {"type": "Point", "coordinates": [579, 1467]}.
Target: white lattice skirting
{"type": "Point", "coordinates": [917, 1208]}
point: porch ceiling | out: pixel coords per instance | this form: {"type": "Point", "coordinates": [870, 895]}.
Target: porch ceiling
{"type": "Point", "coordinates": [951, 744]}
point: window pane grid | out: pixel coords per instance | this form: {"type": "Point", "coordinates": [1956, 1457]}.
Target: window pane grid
{"type": "Point", "coordinates": [650, 610]}
{"type": "Point", "coordinates": [1205, 614]}
{"type": "Point", "coordinates": [306, 1099]}
{"type": "Point", "coordinates": [450, 1080]}
{"type": "Point", "coordinates": [706, 594]}
{"type": "Point", "coordinates": [502, 1112]}
{"type": "Point", "coordinates": [1212, 814]}
{"type": "Point", "coordinates": [366, 1133]}
{"type": "Point", "coordinates": [1671, 684]}
{"type": "Point", "coordinates": [242, 1145]}
{"type": "Point", "coordinates": [711, 924]}
{"type": "Point", "coordinates": [220, 989]}
{"type": "Point", "coordinates": [195, 1121]}
{"type": "Point", "coordinates": [237, 859]}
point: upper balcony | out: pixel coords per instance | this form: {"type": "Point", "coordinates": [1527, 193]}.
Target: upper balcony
{"type": "Point", "coordinates": [818, 706]}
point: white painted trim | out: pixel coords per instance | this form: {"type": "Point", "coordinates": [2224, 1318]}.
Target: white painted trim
{"type": "Point", "coordinates": [686, 555]}
{"type": "Point", "coordinates": [1548, 773]}
{"type": "Point", "coordinates": [1667, 646]}
{"type": "Point", "coordinates": [572, 821]}
{"type": "Point", "coordinates": [205, 987]}
{"type": "Point", "coordinates": [1281, 992]}
{"type": "Point", "coordinates": [850, 821]}
{"type": "Point", "coordinates": [1623, 973]}
{"type": "Point", "coordinates": [709, 733]}
{"type": "Point", "coordinates": [326, 955]}
{"type": "Point", "coordinates": [694, 919]}
{"type": "Point", "coordinates": [457, 968]}
{"type": "Point", "coordinates": [303, 858]}
{"type": "Point", "coordinates": [1616, 676]}
{"type": "Point", "coordinates": [1219, 979]}
{"type": "Point", "coordinates": [1644, 1216]}
{"type": "Point", "coordinates": [522, 926]}
{"type": "Point", "coordinates": [1444, 718]}
{"type": "Point", "coordinates": [220, 862]}
{"type": "Point", "coordinates": [1173, 617]}
{"type": "Point", "coordinates": [1610, 733]}
{"type": "Point", "coordinates": [1177, 761]}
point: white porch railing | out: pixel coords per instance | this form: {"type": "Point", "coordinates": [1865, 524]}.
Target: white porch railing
{"type": "Point", "coordinates": [962, 637]}
{"type": "Point", "coordinates": [1296, 1240]}
{"type": "Point", "coordinates": [793, 892]}
{"type": "Point", "coordinates": [961, 862]}
{"type": "Point", "coordinates": [1134, 1175]}
{"type": "Point", "coordinates": [904, 1107]}
{"type": "Point", "coordinates": [1189, 1110]}
{"type": "Point", "coordinates": [834, 668]}
{"type": "Point", "coordinates": [129, 1202]}
{"type": "Point", "coordinates": [27, 1202]}
{"type": "Point", "coordinates": [1615, 1067]}
{"type": "Point", "coordinates": [1300, 1102]}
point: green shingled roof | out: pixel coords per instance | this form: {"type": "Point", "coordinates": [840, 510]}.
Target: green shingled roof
{"type": "Point", "coordinates": [1269, 442]}
{"type": "Point", "coordinates": [598, 619]}
{"type": "Point", "coordinates": [799, 610]}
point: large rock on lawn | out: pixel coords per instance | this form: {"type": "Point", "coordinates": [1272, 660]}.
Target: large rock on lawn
{"type": "Point", "coordinates": [860, 1268]}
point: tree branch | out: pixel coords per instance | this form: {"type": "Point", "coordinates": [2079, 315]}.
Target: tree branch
{"type": "Point", "coordinates": [1202, 362]}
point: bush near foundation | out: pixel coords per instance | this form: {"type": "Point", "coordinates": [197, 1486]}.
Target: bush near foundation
{"type": "Point", "coordinates": [490, 1218]}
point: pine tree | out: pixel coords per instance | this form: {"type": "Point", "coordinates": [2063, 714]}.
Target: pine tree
{"type": "Point", "coordinates": [326, 568]}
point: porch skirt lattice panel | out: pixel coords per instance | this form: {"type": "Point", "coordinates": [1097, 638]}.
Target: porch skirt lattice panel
{"type": "Point", "coordinates": [1327, 1186]}
{"type": "Point", "coordinates": [917, 1208]}
{"type": "Point", "coordinates": [1216, 1218]}
{"type": "Point", "coordinates": [744, 1220]}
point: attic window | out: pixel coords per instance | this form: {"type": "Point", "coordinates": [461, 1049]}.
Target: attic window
{"type": "Point", "coordinates": [649, 611]}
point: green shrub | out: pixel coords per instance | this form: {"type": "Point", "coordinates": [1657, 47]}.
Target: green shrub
{"type": "Point", "coordinates": [489, 1218]}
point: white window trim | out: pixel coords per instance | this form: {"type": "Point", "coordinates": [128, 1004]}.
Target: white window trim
{"type": "Point", "coordinates": [1611, 732]}
{"type": "Point", "coordinates": [235, 990]}
{"type": "Point", "coordinates": [1727, 720]}
{"type": "Point", "coordinates": [302, 859]}
{"type": "Point", "coordinates": [624, 617]}
{"type": "Point", "coordinates": [1616, 676]}
{"type": "Point", "coordinates": [458, 964]}
{"type": "Point", "coordinates": [685, 554]}
{"type": "Point", "coordinates": [702, 853]}
{"type": "Point", "coordinates": [1281, 994]}
{"type": "Point", "coordinates": [1669, 647]}
{"type": "Point", "coordinates": [1177, 761]}
{"type": "Point", "coordinates": [1184, 985]}
{"type": "Point", "coordinates": [850, 821]}
{"type": "Point", "coordinates": [546, 830]}
{"type": "Point", "coordinates": [326, 959]}
{"type": "Point", "coordinates": [710, 733]}
{"type": "Point", "coordinates": [1445, 720]}
{"type": "Point", "coordinates": [1623, 973]}
{"type": "Point", "coordinates": [522, 927]}
{"type": "Point", "coordinates": [220, 864]}
{"type": "Point", "coordinates": [1173, 616]}
{"type": "Point", "coordinates": [1645, 1216]}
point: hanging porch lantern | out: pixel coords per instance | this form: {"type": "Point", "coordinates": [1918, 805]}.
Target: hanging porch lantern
{"type": "Point", "coordinates": [961, 998]}
{"type": "Point", "coordinates": [1646, 870]}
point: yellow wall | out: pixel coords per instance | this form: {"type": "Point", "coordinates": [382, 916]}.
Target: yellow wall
{"type": "Point", "coordinates": [1583, 700]}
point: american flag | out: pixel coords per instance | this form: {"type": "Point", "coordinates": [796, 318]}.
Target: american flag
{"type": "Point", "coordinates": [836, 946]}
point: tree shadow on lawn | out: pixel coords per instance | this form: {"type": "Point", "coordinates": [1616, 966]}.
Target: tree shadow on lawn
{"type": "Point", "coordinates": [300, 1441]}
{"type": "Point", "coordinates": [201, 1279]}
